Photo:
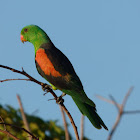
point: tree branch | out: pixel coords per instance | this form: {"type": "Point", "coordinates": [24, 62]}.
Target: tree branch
{"type": "Point", "coordinates": [131, 112]}
{"type": "Point", "coordinates": [72, 121]}
{"type": "Point", "coordinates": [127, 95]}
{"type": "Point", "coordinates": [48, 90]}
{"type": "Point", "coordinates": [19, 128]}
{"type": "Point", "coordinates": [3, 122]}
{"type": "Point", "coordinates": [23, 115]}
{"type": "Point", "coordinates": [13, 80]}
{"type": "Point", "coordinates": [82, 127]}
{"type": "Point", "coordinates": [104, 99]}
{"type": "Point", "coordinates": [9, 134]}
{"type": "Point", "coordinates": [114, 102]}
{"type": "Point", "coordinates": [120, 108]}
{"type": "Point", "coordinates": [67, 137]}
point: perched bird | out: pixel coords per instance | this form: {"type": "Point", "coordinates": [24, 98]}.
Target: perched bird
{"type": "Point", "coordinates": [56, 68]}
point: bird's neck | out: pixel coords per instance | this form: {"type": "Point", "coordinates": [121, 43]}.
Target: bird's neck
{"type": "Point", "coordinates": [39, 42]}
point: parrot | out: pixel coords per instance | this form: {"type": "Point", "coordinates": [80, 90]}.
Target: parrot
{"type": "Point", "coordinates": [56, 68]}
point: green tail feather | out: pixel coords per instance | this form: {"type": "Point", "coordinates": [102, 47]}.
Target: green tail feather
{"type": "Point", "coordinates": [90, 112]}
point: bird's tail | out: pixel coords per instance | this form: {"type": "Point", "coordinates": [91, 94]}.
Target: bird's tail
{"type": "Point", "coordinates": [90, 112]}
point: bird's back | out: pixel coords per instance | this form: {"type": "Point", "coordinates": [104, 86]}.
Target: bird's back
{"type": "Point", "coordinates": [55, 67]}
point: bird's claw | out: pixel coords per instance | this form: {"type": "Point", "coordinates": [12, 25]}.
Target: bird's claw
{"type": "Point", "coordinates": [45, 93]}
{"type": "Point", "coordinates": [46, 87]}
{"type": "Point", "coordinates": [60, 100]}
{"type": "Point", "coordinates": [51, 99]}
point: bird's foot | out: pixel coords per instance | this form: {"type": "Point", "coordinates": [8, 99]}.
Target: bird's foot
{"type": "Point", "coordinates": [60, 100]}
{"type": "Point", "coordinates": [46, 88]}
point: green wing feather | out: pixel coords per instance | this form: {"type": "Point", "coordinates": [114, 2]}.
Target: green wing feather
{"type": "Point", "coordinates": [87, 108]}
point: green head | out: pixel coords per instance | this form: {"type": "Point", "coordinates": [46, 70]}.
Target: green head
{"type": "Point", "coordinates": [35, 35]}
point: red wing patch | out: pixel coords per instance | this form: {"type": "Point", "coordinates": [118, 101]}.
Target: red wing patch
{"type": "Point", "coordinates": [45, 64]}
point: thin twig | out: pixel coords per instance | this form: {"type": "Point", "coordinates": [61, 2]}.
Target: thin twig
{"type": "Point", "coordinates": [72, 121]}
{"type": "Point", "coordinates": [131, 112]}
{"type": "Point", "coordinates": [104, 99]}
{"type": "Point", "coordinates": [118, 119]}
{"type": "Point", "coordinates": [3, 122]}
{"type": "Point", "coordinates": [120, 108]}
{"type": "Point", "coordinates": [48, 90]}
{"type": "Point", "coordinates": [14, 79]}
{"type": "Point", "coordinates": [9, 134]}
{"type": "Point", "coordinates": [82, 127]}
{"type": "Point", "coordinates": [23, 115]}
{"type": "Point", "coordinates": [127, 95]}
{"type": "Point", "coordinates": [22, 73]}
{"type": "Point", "coordinates": [120, 112]}
{"type": "Point", "coordinates": [67, 137]}
{"type": "Point", "coordinates": [23, 129]}
{"type": "Point", "coordinates": [114, 102]}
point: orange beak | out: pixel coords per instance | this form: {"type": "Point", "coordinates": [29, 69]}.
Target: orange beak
{"type": "Point", "coordinates": [22, 39]}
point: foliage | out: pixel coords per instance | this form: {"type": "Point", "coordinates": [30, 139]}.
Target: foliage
{"type": "Point", "coordinates": [45, 130]}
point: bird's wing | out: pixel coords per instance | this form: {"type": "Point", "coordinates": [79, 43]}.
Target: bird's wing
{"type": "Point", "coordinates": [54, 66]}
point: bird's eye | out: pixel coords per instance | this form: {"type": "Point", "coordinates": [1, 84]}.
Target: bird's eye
{"type": "Point", "coordinates": [25, 30]}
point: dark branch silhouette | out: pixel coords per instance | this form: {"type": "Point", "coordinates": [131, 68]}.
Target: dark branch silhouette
{"type": "Point", "coordinates": [13, 80]}
{"type": "Point", "coordinates": [9, 134]}
{"type": "Point", "coordinates": [120, 109]}
{"type": "Point", "coordinates": [19, 128]}
{"type": "Point", "coordinates": [48, 89]}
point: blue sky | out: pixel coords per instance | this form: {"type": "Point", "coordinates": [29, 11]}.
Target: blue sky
{"type": "Point", "coordinates": [101, 39]}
